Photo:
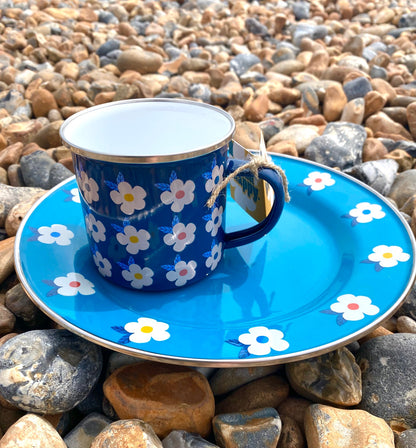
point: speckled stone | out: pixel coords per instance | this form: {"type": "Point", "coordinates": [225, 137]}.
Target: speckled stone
{"type": "Point", "coordinates": [57, 370]}
{"type": "Point", "coordinates": [36, 169]}
{"type": "Point", "coordinates": [389, 379]}
{"type": "Point", "coordinates": [127, 433]}
{"type": "Point", "coordinates": [252, 429]}
{"type": "Point", "coordinates": [407, 439]}
{"type": "Point", "coordinates": [85, 432]}
{"type": "Point", "coordinates": [334, 378]}
{"type": "Point", "coordinates": [183, 439]}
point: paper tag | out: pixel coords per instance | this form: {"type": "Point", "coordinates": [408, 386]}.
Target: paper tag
{"type": "Point", "coordinates": [254, 196]}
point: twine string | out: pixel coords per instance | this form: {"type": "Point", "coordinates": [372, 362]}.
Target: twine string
{"type": "Point", "coordinates": [253, 166]}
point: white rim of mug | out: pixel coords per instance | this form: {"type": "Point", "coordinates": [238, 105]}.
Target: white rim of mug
{"type": "Point", "coordinates": [215, 362]}
{"type": "Point", "coordinates": [199, 151]}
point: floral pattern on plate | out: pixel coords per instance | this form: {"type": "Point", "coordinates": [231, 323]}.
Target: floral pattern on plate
{"type": "Point", "coordinates": [386, 257]}
{"type": "Point", "coordinates": [259, 341]}
{"type": "Point", "coordinates": [72, 195]}
{"type": "Point", "coordinates": [351, 308]}
{"type": "Point", "coordinates": [143, 331]}
{"type": "Point", "coordinates": [364, 212]}
{"type": "Point", "coordinates": [54, 234]}
{"type": "Point", "coordinates": [317, 181]}
{"type": "Point", "coordinates": [177, 193]}
{"type": "Point", "coordinates": [71, 284]}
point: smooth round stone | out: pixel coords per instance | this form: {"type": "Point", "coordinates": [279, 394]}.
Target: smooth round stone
{"type": "Point", "coordinates": [57, 174]}
{"type": "Point", "coordinates": [378, 72]}
{"type": "Point", "coordinates": [56, 370]}
{"type": "Point", "coordinates": [36, 169]}
{"type": "Point", "coordinates": [107, 18]}
{"type": "Point", "coordinates": [183, 439]}
{"type": "Point", "coordinates": [260, 428]}
{"type": "Point", "coordinates": [227, 380]}
{"type": "Point", "coordinates": [85, 432]}
{"type": "Point", "coordinates": [406, 324]}
{"type": "Point", "coordinates": [201, 92]}
{"type": "Point", "coordinates": [7, 320]}
{"type": "Point", "coordinates": [271, 127]}
{"type": "Point", "coordinates": [107, 47]}
{"type": "Point", "coordinates": [340, 145]}
{"type": "Point", "coordinates": [255, 27]}
{"type": "Point", "coordinates": [409, 305]}
{"type": "Point", "coordinates": [407, 439]}
{"type": "Point", "coordinates": [292, 434]}
{"type": "Point", "coordinates": [301, 30]}
{"type": "Point", "coordinates": [377, 174]}
{"type": "Point", "coordinates": [389, 379]}
{"type": "Point", "coordinates": [354, 62]}
{"type": "Point", "coordinates": [403, 187]}
{"type": "Point", "coordinates": [302, 135]}
{"type": "Point", "coordinates": [126, 433]}
{"type": "Point", "coordinates": [357, 88]}
{"type": "Point", "coordinates": [334, 378]}
{"type": "Point", "coordinates": [243, 62]}
{"type": "Point", "coordinates": [139, 61]}
{"type": "Point", "coordinates": [301, 10]}
{"type": "Point", "coordinates": [407, 20]}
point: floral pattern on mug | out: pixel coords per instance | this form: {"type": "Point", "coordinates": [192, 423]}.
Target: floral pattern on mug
{"type": "Point", "coordinates": [213, 256]}
{"type": "Point", "coordinates": [214, 220]}
{"type": "Point", "coordinates": [386, 257]}
{"type": "Point", "coordinates": [181, 272]}
{"type": "Point", "coordinates": [95, 228]}
{"type": "Point", "coordinates": [143, 331]}
{"type": "Point", "coordinates": [260, 341]}
{"type": "Point", "coordinates": [103, 264]}
{"type": "Point", "coordinates": [55, 234]}
{"type": "Point", "coordinates": [176, 193]}
{"type": "Point", "coordinates": [88, 187]}
{"type": "Point", "coordinates": [134, 240]}
{"type": "Point", "coordinates": [127, 197]}
{"type": "Point", "coordinates": [73, 195]}
{"type": "Point", "coordinates": [70, 285]}
{"type": "Point", "coordinates": [364, 212]}
{"type": "Point", "coordinates": [214, 177]}
{"type": "Point", "coordinates": [135, 275]}
{"type": "Point", "coordinates": [351, 308]}
{"type": "Point", "coordinates": [179, 235]}
{"type": "Point", "coordinates": [317, 181]}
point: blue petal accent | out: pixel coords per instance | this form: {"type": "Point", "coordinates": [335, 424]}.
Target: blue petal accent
{"type": "Point", "coordinates": [348, 216]}
{"type": "Point", "coordinates": [111, 185]}
{"type": "Point", "coordinates": [117, 228]}
{"type": "Point", "coordinates": [131, 261]}
{"type": "Point", "coordinates": [354, 222]}
{"type": "Point", "coordinates": [163, 187]}
{"type": "Point", "coordinates": [123, 266]}
{"type": "Point", "coordinates": [207, 217]}
{"type": "Point", "coordinates": [53, 292]}
{"type": "Point", "coordinates": [120, 329]}
{"type": "Point", "coordinates": [214, 162]}
{"type": "Point", "coordinates": [125, 339]}
{"type": "Point", "coordinates": [49, 283]}
{"type": "Point", "coordinates": [328, 312]}
{"type": "Point", "coordinates": [244, 353]}
{"type": "Point", "coordinates": [235, 342]}
{"type": "Point", "coordinates": [309, 191]}
{"type": "Point", "coordinates": [206, 254]}
{"type": "Point", "coordinates": [378, 267]}
{"type": "Point", "coordinates": [302, 185]}
{"type": "Point", "coordinates": [368, 261]}
{"type": "Point", "coordinates": [207, 175]}
{"type": "Point", "coordinates": [165, 229]}
{"type": "Point", "coordinates": [172, 177]}
{"type": "Point", "coordinates": [120, 178]}
{"type": "Point", "coordinates": [35, 235]}
{"type": "Point", "coordinates": [168, 267]}
{"type": "Point", "coordinates": [340, 320]}
{"type": "Point", "coordinates": [177, 259]}
{"type": "Point", "coordinates": [175, 220]}
{"type": "Point", "coordinates": [126, 222]}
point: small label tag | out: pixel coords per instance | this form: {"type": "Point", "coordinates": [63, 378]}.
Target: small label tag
{"type": "Point", "coordinates": [254, 196]}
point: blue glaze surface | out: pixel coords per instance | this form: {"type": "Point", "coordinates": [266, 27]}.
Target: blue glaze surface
{"type": "Point", "coordinates": [338, 263]}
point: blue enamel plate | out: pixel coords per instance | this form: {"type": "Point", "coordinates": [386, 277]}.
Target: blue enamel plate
{"type": "Point", "coordinates": [339, 262]}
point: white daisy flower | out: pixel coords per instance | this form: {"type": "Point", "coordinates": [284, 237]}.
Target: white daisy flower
{"type": "Point", "coordinates": [56, 233]}
{"type": "Point", "coordinates": [354, 307]}
{"type": "Point", "coordinates": [215, 257]}
{"type": "Point", "coordinates": [261, 340]}
{"type": "Point", "coordinates": [215, 222]}
{"type": "Point", "coordinates": [181, 236]}
{"type": "Point", "coordinates": [217, 176]}
{"type": "Point", "coordinates": [129, 198]}
{"type": "Point", "coordinates": [88, 187]}
{"type": "Point", "coordinates": [134, 239]}
{"type": "Point", "coordinates": [73, 284]}
{"type": "Point", "coordinates": [103, 264]}
{"type": "Point", "coordinates": [180, 194]}
{"type": "Point", "coordinates": [182, 273]}
{"type": "Point", "coordinates": [365, 212]}
{"type": "Point", "coordinates": [95, 228]}
{"type": "Point", "coordinates": [318, 181]}
{"type": "Point", "coordinates": [146, 329]}
{"type": "Point", "coordinates": [137, 276]}
{"type": "Point", "coordinates": [388, 256]}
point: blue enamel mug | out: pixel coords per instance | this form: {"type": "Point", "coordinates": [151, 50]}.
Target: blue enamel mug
{"type": "Point", "coordinates": [146, 169]}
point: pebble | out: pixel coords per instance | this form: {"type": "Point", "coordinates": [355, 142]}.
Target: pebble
{"type": "Point", "coordinates": [57, 370]}
{"type": "Point", "coordinates": [145, 390]}
{"type": "Point", "coordinates": [334, 378]}
{"type": "Point", "coordinates": [406, 324]}
{"type": "Point", "coordinates": [6, 258]}
{"type": "Point", "coordinates": [7, 320]}
{"type": "Point", "coordinates": [377, 174]}
{"type": "Point", "coordinates": [407, 439]}
{"type": "Point", "coordinates": [357, 88]}
{"type": "Point", "coordinates": [301, 135]}
{"type": "Point", "coordinates": [354, 111]}
{"type": "Point", "coordinates": [85, 432]}
{"type": "Point", "coordinates": [326, 426]}
{"type": "Point", "coordinates": [259, 428]}
{"type": "Point", "coordinates": [334, 102]}
{"type": "Point", "coordinates": [183, 439]}
{"type": "Point", "coordinates": [32, 431]}
{"type": "Point", "coordinates": [387, 379]}
{"type": "Point", "coordinates": [291, 435]}
{"type": "Point", "coordinates": [126, 433]}
{"type": "Point", "coordinates": [404, 186]}
{"type": "Point", "coordinates": [139, 61]}
{"type": "Point", "coordinates": [340, 145]}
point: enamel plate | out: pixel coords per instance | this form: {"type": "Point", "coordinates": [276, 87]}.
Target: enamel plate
{"type": "Point", "coordinates": [339, 262]}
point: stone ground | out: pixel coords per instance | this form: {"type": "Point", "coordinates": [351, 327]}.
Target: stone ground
{"type": "Point", "coordinates": [329, 81]}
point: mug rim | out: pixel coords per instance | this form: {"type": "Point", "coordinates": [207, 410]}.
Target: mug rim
{"type": "Point", "coordinates": [198, 151]}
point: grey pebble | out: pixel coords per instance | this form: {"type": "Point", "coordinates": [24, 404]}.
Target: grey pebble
{"type": "Point", "coordinates": [389, 379]}
{"type": "Point", "coordinates": [107, 47]}
{"type": "Point", "coordinates": [57, 370]}
{"type": "Point", "coordinates": [406, 324]}
{"type": "Point", "coordinates": [377, 174]}
{"type": "Point", "coordinates": [407, 439]}
{"type": "Point", "coordinates": [243, 62]}
{"type": "Point", "coordinates": [57, 174]}
{"type": "Point", "coordinates": [357, 88]}
{"type": "Point", "coordinates": [301, 10]}
{"type": "Point", "coordinates": [183, 439]}
{"type": "Point", "coordinates": [409, 305]}
{"type": "Point", "coordinates": [403, 187]}
{"type": "Point", "coordinates": [255, 27]}
{"type": "Point", "coordinates": [36, 169]}
{"type": "Point", "coordinates": [87, 429]}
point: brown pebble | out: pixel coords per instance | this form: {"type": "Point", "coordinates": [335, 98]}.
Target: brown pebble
{"type": "Point", "coordinates": [11, 154]}
{"type": "Point", "coordinates": [248, 135]}
{"type": "Point", "coordinates": [318, 63]}
{"type": "Point", "coordinates": [384, 88]}
{"type": "Point", "coordinates": [406, 324]}
{"type": "Point", "coordinates": [373, 149]}
{"type": "Point", "coordinates": [411, 118]}
{"type": "Point", "coordinates": [334, 102]}
{"type": "Point", "coordinates": [374, 102]}
{"type": "Point", "coordinates": [42, 102]}
{"type": "Point", "coordinates": [314, 120]}
{"type": "Point", "coordinates": [285, 147]}
{"type": "Point", "coordinates": [284, 95]}
{"type": "Point", "coordinates": [257, 109]}
{"type": "Point", "coordinates": [6, 258]}
{"type": "Point", "coordinates": [7, 321]}
{"type": "Point", "coordinates": [379, 331]}
{"type": "Point", "coordinates": [67, 111]}
{"type": "Point", "coordinates": [295, 408]}
{"type": "Point", "coordinates": [269, 391]}
{"type": "Point", "coordinates": [404, 159]}
{"type": "Point", "coordinates": [48, 137]}
{"type": "Point", "coordinates": [353, 111]}
{"type": "Point", "coordinates": [9, 416]}
{"type": "Point", "coordinates": [380, 122]}
{"type": "Point", "coordinates": [149, 390]}
{"type": "Point", "coordinates": [291, 435]}
{"type": "Point", "coordinates": [24, 131]}
{"type": "Point", "coordinates": [409, 206]}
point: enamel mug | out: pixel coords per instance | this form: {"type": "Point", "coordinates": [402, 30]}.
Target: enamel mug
{"type": "Point", "coordinates": [145, 170]}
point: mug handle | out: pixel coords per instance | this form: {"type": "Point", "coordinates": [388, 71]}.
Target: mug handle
{"type": "Point", "coordinates": [246, 236]}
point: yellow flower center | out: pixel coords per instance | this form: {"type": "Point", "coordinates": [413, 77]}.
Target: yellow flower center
{"type": "Point", "coordinates": [146, 329]}
{"type": "Point", "coordinates": [129, 197]}
{"type": "Point", "coordinates": [133, 239]}
{"type": "Point", "coordinates": [387, 255]}
{"type": "Point", "coordinates": [138, 276]}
